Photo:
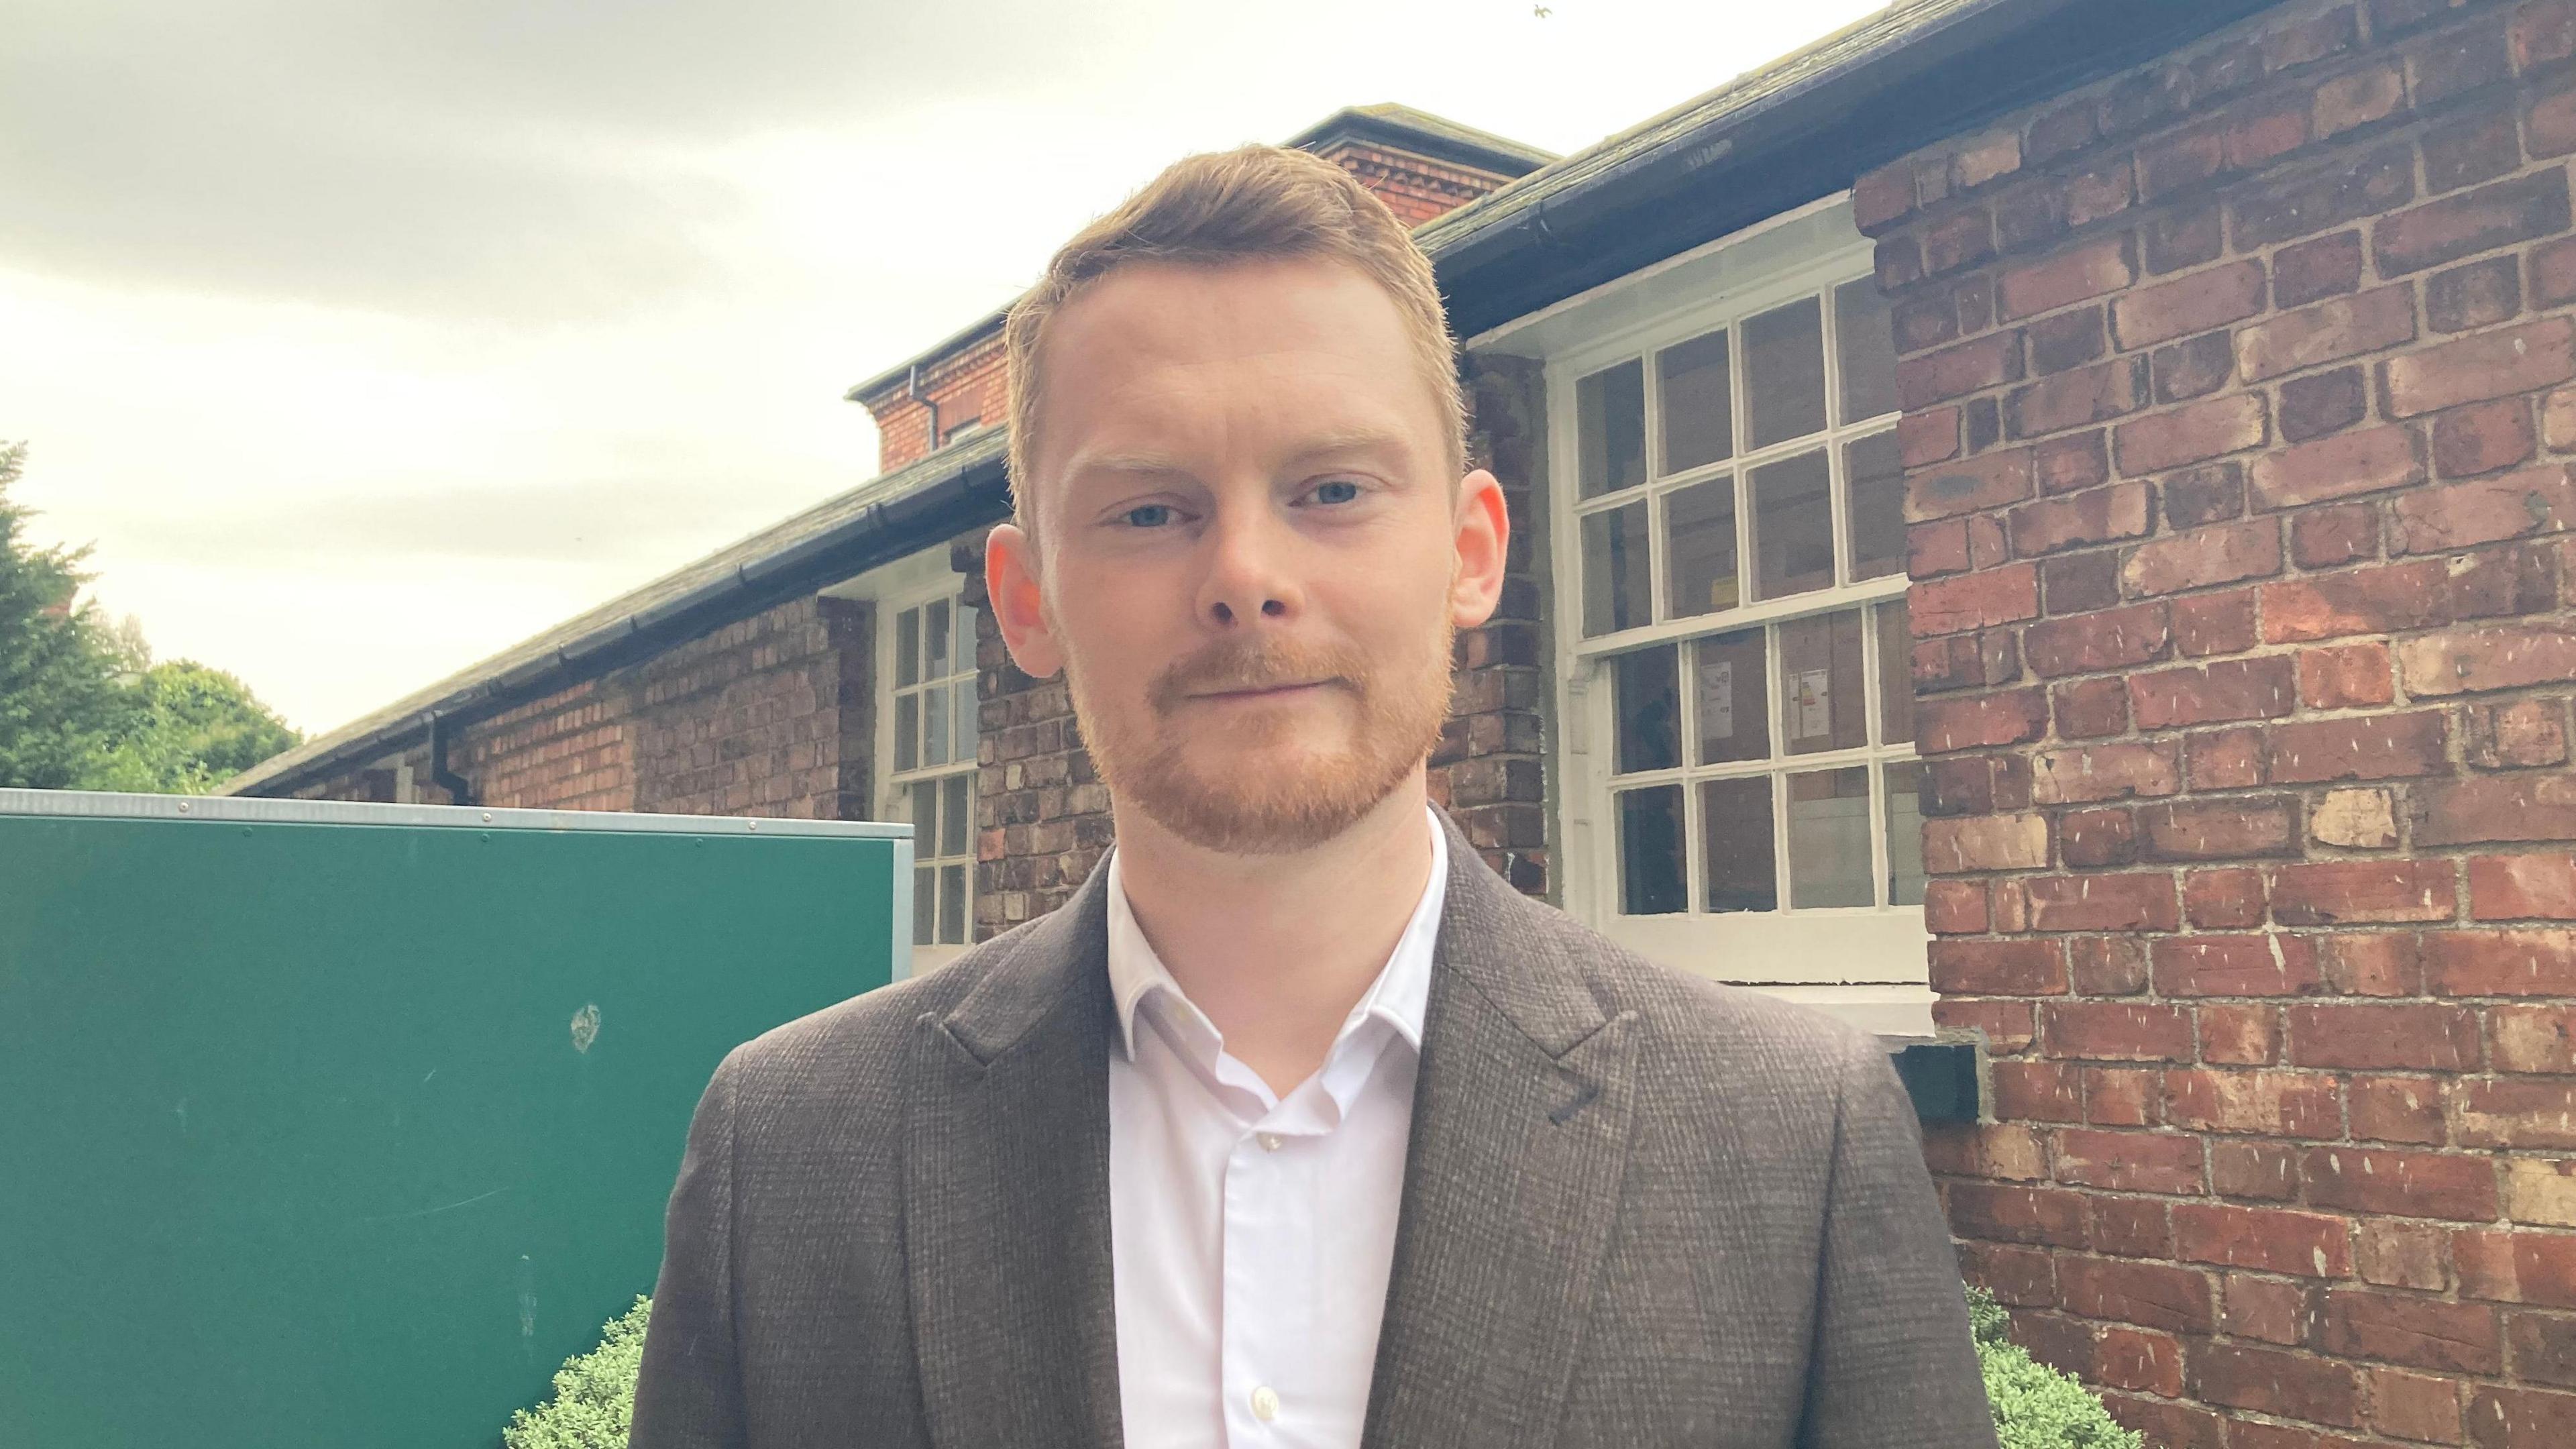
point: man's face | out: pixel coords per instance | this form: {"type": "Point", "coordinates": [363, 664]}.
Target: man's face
{"type": "Point", "coordinates": [1250, 555]}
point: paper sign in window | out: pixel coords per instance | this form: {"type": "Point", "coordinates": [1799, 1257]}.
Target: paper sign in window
{"type": "Point", "coordinates": [1811, 702]}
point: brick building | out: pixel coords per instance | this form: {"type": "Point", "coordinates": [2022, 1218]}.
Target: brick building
{"type": "Point", "coordinates": [2084, 486]}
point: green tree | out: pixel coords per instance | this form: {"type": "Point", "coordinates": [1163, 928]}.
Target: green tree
{"type": "Point", "coordinates": [187, 729]}
{"type": "Point", "coordinates": [61, 693]}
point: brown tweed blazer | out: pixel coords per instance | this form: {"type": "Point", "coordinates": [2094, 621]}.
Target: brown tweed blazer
{"type": "Point", "coordinates": [1639, 1209]}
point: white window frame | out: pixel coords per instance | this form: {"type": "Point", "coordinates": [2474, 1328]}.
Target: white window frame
{"type": "Point", "coordinates": [1867, 963]}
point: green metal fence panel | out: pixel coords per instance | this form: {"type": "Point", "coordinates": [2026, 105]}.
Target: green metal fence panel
{"type": "Point", "coordinates": [338, 1125]}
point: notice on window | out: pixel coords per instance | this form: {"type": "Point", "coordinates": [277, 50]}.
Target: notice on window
{"type": "Point", "coordinates": [1717, 700]}
{"type": "Point", "coordinates": [1811, 703]}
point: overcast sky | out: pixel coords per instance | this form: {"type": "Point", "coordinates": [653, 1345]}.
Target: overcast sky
{"type": "Point", "coordinates": [364, 339]}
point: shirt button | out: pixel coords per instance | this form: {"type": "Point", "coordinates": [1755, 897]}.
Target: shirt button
{"type": "Point", "coordinates": [1269, 1143]}
{"type": "Point", "coordinates": [1265, 1403]}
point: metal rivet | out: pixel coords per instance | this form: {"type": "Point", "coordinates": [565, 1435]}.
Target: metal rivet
{"type": "Point", "coordinates": [487, 817]}
{"type": "Point", "coordinates": [183, 807]}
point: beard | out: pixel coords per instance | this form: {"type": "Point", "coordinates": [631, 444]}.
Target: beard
{"type": "Point", "coordinates": [1282, 793]}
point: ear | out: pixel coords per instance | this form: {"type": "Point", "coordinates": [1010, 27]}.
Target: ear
{"type": "Point", "coordinates": [1484, 540]}
{"type": "Point", "coordinates": [1019, 606]}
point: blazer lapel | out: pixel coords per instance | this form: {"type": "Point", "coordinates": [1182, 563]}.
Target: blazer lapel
{"type": "Point", "coordinates": [1520, 1133]}
{"type": "Point", "coordinates": [1007, 1196]}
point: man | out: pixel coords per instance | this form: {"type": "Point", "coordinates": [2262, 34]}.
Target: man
{"type": "Point", "coordinates": [1297, 1125]}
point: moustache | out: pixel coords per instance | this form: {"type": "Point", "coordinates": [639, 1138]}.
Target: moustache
{"type": "Point", "coordinates": [1237, 664]}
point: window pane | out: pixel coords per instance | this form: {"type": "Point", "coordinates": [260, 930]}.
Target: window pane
{"type": "Point", "coordinates": [1895, 675]}
{"type": "Point", "coordinates": [952, 814]}
{"type": "Point", "coordinates": [1904, 833]}
{"type": "Point", "coordinates": [1874, 480]}
{"type": "Point", "coordinates": [925, 905]}
{"type": "Point", "coordinates": [1734, 711]}
{"type": "Point", "coordinates": [1699, 548]}
{"type": "Point", "coordinates": [1784, 373]}
{"type": "Point", "coordinates": [1829, 839]}
{"type": "Point", "coordinates": [1735, 840]}
{"type": "Point", "coordinates": [1820, 684]}
{"type": "Point", "coordinates": [961, 658]}
{"type": "Point", "coordinates": [907, 647]}
{"type": "Point", "coordinates": [907, 730]}
{"type": "Point", "coordinates": [1793, 526]}
{"type": "Point", "coordinates": [1615, 583]}
{"type": "Point", "coordinates": [1650, 852]}
{"type": "Point", "coordinates": [934, 725]}
{"type": "Point", "coordinates": [1610, 428]}
{"type": "Point", "coordinates": [1699, 408]}
{"type": "Point", "coordinates": [1646, 697]}
{"type": "Point", "coordinates": [934, 639]}
{"type": "Point", "coordinates": [961, 718]}
{"type": "Point", "coordinates": [1865, 348]}
{"type": "Point", "coordinates": [925, 819]}
{"type": "Point", "coordinates": [952, 905]}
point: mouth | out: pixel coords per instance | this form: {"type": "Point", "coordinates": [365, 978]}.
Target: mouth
{"type": "Point", "coordinates": [1262, 693]}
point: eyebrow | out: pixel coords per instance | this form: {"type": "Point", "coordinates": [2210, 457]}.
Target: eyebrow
{"type": "Point", "coordinates": [1340, 442]}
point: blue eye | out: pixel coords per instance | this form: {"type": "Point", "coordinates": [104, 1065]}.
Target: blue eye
{"type": "Point", "coordinates": [1340, 490]}
{"type": "Point", "coordinates": [1150, 515]}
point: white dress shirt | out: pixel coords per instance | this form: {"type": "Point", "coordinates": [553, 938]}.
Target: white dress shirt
{"type": "Point", "coordinates": [1252, 1233]}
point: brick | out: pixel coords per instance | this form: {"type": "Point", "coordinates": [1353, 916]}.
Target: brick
{"type": "Point", "coordinates": [2196, 431]}
{"type": "Point", "coordinates": [2220, 899]}
{"type": "Point", "coordinates": [2231, 965]}
{"type": "Point", "coordinates": [2074, 275]}
{"type": "Point", "coordinates": [2517, 505]}
{"type": "Point", "coordinates": [2376, 1037]}
{"type": "Point", "coordinates": [2494, 808]}
{"type": "Point", "coordinates": [2349, 102]}
{"type": "Point", "coordinates": [2472, 149]}
{"type": "Point", "coordinates": [2522, 887]}
{"type": "Point", "coordinates": [2066, 341]}
{"type": "Point", "coordinates": [2496, 656]}
{"type": "Point", "coordinates": [2108, 965]}
{"type": "Point", "coordinates": [2527, 962]}
{"type": "Point", "coordinates": [2270, 1240]}
{"type": "Point", "coordinates": [2079, 584]}
{"type": "Point", "coordinates": [2311, 38]}
{"type": "Point", "coordinates": [2457, 61]}
{"type": "Point", "coordinates": [2193, 367]}
{"type": "Point", "coordinates": [2210, 493]}
{"type": "Point", "coordinates": [2125, 1097]}
{"type": "Point", "coordinates": [2479, 294]}
{"type": "Point", "coordinates": [2378, 747]}
{"type": "Point", "coordinates": [2326, 267]}
{"type": "Point", "coordinates": [1971, 486]}
{"type": "Point", "coordinates": [2519, 735]}
{"type": "Point", "coordinates": [2228, 759]}
{"type": "Point", "coordinates": [2204, 558]}
{"type": "Point", "coordinates": [2071, 464]}
{"type": "Point", "coordinates": [2266, 1171]}
{"type": "Point", "coordinates": [2096, 902]}
{"type": "Point", "coordinates": [2462, 1338]}
{"type": "Point", "coordinates": [2150, 1295]}
{"type": "Point", "coordinates": [1985, 842]}
{"type": "Point", "coordinates": [2104, 190]}
{"type": "Point", "coordinates": [2100, 515]}
{"type": "Point", "coordinates": [2231, 689]}
{"type": "Point", "coordinates": [2370, 461]}
{"type": "Point", "coordinates": [1999, 968]}
{"type": "Point", "coordinates": [2175, 238]}
{"type": "Point", "coordinates": [2336, 892]}
{"type": "Point", "coordinates": [2322, 403]}
{"type": "Point", "coordinates": [2509, 1267]}
{"type": "Point", "coordinates": [2092, 839]}
{"type": "Point", "coordinates": [1882, 198]}
{"type": "Point", "coordinates": [2515, 1112]}
{"type": "Point", "coordinates": [2329, 331]}
{"type": "Point", "coordinates": [2028, 1091]}
{"type": "Point", "coordinates": [2089, 708]}
{"type": "Point", "coordinates": [2206, 624]}
{"type": "Point", "coordinates": [1985, 158]}
{"type": "Point", "coordinates": [1952, 372]}
{"type": "Point", "coordinates": [2367, 963]}
{"type": "Point", "coordinates": [2541, 34]}
{"type": "Point", "coordinates": [2509, 1418]}
{"type": "Point", "coordinates": [2532, 1038]}
{"type": "Point", "coordinates": [2265, 1309]}
{"type": "Point", "coordinates": [2345, 676]}
{"type": "Point", "coordinates": [1963, 661]}
{"type": "Point", "coordinates": [2355, 820]}
{"type": "Point", "coordinates": [1929, 437]}
{"type": "Point", "coordinates": [2115, 1031]}
{"type": "Point", "coordinates": [2415, 1406]}
{"type": "Point", "coordinates": [2324, 196]}
{"type": "Point", "coordinates": [2001, 1214]}
{"type": "Point", "coordinates": [2010, 718]}
{"type": "Point", "coordinates": [2495, 215]}
{"type": "Point", "coordinates": [2484, 438]}
{"type": "Point", "coordinates": [2060, 132]}
{"type": "Point", "coordinates": [2398, 1109]}
{"type": "Point", "coordinates": [1974, 601]}
{"type": "Point", "coordinates": [2400, 1183]}
{"type": "Point", "coordinates": [2540, 1192]}
{"type": "Point", "coordinates": [2272, 1381]}
{"type": "Point", "coordinates": [2399, 597]}
{"type": "Point", "coordinates": [2258, 1103]}
{"type": "Point", "coordinates": [2219, 830]}
{"type": "Point", "coordinates": [2193, 303]}
{"type": "Point", "coordinates": [2088, 643]}
{"type": "Point", "coordinates": [2553, 273]}
{"type": "Point", "coordinates": [2324, 537]}
{"type": "Point", "coordinates": [2544, 1348]}
{"type": "Point", "coordinates": [2182, 160]}
{"type": "Point", "coordinates": [1955, 908]}
{"type": "Point", "coordinates": [2494, 364]}
{"type": "Point", "coordinates": [2076, 399]}
{"type": "Point", "coordinates": [2129, 1358]}
{"type": "Point", "coordinates": [2084, 774]}
{"type": "Point", "coordinates": [2240, 1035]}
{"type": "Point", "coordinates": [2001, 1152]}
{"type": "Point", "coordinates": [1963, 238]}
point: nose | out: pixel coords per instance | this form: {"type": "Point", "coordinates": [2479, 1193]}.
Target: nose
{"type": "Point", "coordinates": [1247, 575]}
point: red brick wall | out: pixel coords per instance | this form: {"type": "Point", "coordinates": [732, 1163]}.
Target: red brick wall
{"type": "Point", "coordinates": [2239, 394]}
{"type": "Point", "coordinates": [771, 716]}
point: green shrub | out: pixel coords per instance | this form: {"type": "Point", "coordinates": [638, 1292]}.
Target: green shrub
{"type": "Point", "coordinates": [2035, 1406]}
{"type": "Point", "coordinates": [594, 1393]}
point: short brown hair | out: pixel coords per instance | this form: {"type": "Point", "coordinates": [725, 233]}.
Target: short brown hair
{"type": "Point", "coordinates": [1251, 203]}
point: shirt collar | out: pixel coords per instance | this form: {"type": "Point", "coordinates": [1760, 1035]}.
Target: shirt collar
{"type": "Point", "coordinates": [1400, 995]}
